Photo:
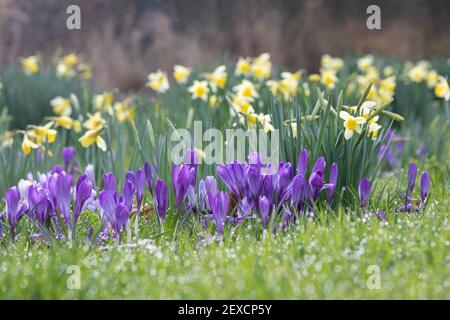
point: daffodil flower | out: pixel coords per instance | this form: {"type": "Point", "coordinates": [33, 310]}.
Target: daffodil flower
{"type": "Point", "coordinates": [181, 73]}
{"type": "Point", "coordinates": [27, 144]}
{"type": "Point", "coordinates": [351, 124]}
{"type": "Point", "coordinates": [30, 65]}
{"type": "Point", "coordinates": [243, 66]}
{"type": "Point", "coordinates": [246, 90]}
{"type": "Point", "coordinates": [199, 90]}
{"type": "Point", "coordinates": [94, 121]}
{"type": "Point", "coordinates": [93, 136]}
{"type": "Point", "coordinates": [158, 81]}
{"type": "Point", "coordinates": [61, 106]}
{"type": "Point", "coordinates": [328, 78]}
{"type": "Point", "coordinates": [218, 77]}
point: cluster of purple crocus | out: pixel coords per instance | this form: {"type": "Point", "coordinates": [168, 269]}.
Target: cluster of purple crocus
{"type": "Point", "coordinates": [254, 189]}
{"type": "Point", "coordinates": [365, 187]}
{"type": "Point", "coordinates": [47, 200]}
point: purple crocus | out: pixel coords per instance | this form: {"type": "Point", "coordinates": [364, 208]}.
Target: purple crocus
{"type": "Point", "coordinates": [67, 153]}
{"type": "Point", "coordinates": [332, 180]}
{"type": "Point", "coordinates": [182, 177]}
{"type": "Point", "coordinates": [209, 184]}
{"type": "Point", "coordinates": [254, 180]}
{"type": "Point", "coordinates": [424, 186]}
{"type": "Point", "coordinates": [264, 208]}
{"type": "Point", "coordinates": [299, 191]}
{"type": "Point", "coordinates": [83, 191]}
{"type": "Point", "coordinates": [364, 191]}
{"type": "Point", "coordinates": [116, 212]}
{"type": "Point", "coordinates": [284, 177]}
{"type": "Point", "coordinates": [219, 206]}
{"type": "Point", "coordinates": [412, 174]}
{"type": "Point", "coordinates": [140, 188]}
{"type": "Point", "coordinates": [38, 204]}
{"type": "Point", "coordinates": [12, 198]}
{"type": "Point", "coordinates": [161, 193]}
{"type": "Point", "coordinates": [59, 188]}
{"type": "Point", "coordinates": [110, 182]}
{"type": "Point", "coordinates": [302, 166]}
{"type": "Point", "coordinates": [128, 194]}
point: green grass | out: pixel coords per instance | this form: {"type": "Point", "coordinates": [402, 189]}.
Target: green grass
{"type": "Point", "coordinates": [324, 258]}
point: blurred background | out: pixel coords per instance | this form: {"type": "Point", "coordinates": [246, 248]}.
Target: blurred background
{"type": "Point", "coordinates": [126, 39]}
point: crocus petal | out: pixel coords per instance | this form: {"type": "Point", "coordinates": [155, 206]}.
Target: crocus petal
{"type": "Point", "coordinates": [424, 186]}
{"type": "Point", "coordinates": [364, 191]}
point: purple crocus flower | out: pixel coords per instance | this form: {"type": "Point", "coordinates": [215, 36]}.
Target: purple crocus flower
{"type": "Point", "coordinates": [204, 187]}
{"type": "Point", "coordinates": [364, 191]}
{"type": "Point", "coordinates": [110, 182]}
{"type": "Point", "coordinates": [381, 215]}
{"type": "Point", "coordinates": [265, 208]}
{"type": "Point", "coordinates": [115, 212]}
{"type": "Point", "coordinates": [130, 176]}
{"type": "Point", "coordinates": [254, 180]}
{"type": "Point", "coordinates": [268, 187]}
{"type": "Point", "coordinates": [319, 165]}
{"type": "Point", "coordinates": [140, 188]}
{"type": "Point", "coordinates": [12, 198]}
{"type": "Point", "coordinates": [90, 173]}
{"type": "Point", "coordinates": [299, 191]}
{"type": "Point", "coordinates": [219, 206]}
{"type": "Point", "coordinates": [412, 174]}
{"type": "Point", "coordinates": [233, 175]}
{"type": "Point", "coordinates": [332, 180]}
{"type": "Point", "coordinates": [245, 206]}
{"type": "Point", "coordinates": [302, 166]}
{"type": "Point", "coordinates": [128, 194]}
{"type": "Point", "coordinates": [161, 198]}
{"type": "Point", "coordinates": [83, 191]}
{"type": "Point", "coordinates": [284, 177]}
{"type": "Point", "coordinates": [315, 184]}
{"type": "Point", "coordinates": [182, 177]}
{"type": "Point", "coordinates": [424, 186]}
{"type": "Point", "coordinates": [148, 177]}
{"type": "Point", "coordinates": [38, 203]}
{"type": "Point", "coordinates": [59, 188]}
{"type": "Point", "coordinates": [67, 153]}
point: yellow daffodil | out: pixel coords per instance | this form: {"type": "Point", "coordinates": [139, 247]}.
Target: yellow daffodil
{"type": "Point", "coordinates": [418, 72]}
{"type": "Point", "coordinates": [329, 63]}
{"type": "Point", "coordinates": [242, 105]}
{"type": "Point", "coordinates": [315, 77]}
{"type": "Point", "coordinates": [351, 124]}
{"type": "Point", "coordinates": [27, 144]}
{"type": "Point", "coordinates": [93, 136]}
{"type": "Point", "coordinates": [67, 123]}
{"type": "Point", "coordinates": [274, 87]}
{"type": "Point", "coordinates": [61, 106]}
{"type": "Point", "coordinates": [246, 90]}
{"type": "Point", "coordinates": [7, 138]}
{"type": "Point", "coordinates": [30, 65]}
{"type": "Point", "coordinates": [442, 89]}
{"type": "Point", "coordinates": [65, 71]}
{"type": "Point", "coordinates": [158, 81]}
{"type": "Point", "coordinates": [218, 77]}
{"type": "Point", "coordinates": [374, 127]}
{"type": "Point", "coordinates": [432, 78]}
{"type": "Point", "coordinates": [328, 78]}
{"type": "Point", "coordinates": [70, 60]}
{"type": "Point", "coordinates": [243, 66]}
{"type": "Point", "coordinates": [94, 121]}
{"type": "Point", "coordinates": [261, 66]}
{"type": "Point", "coordinates": [41, 134]}
{"type": "Point", "coordinates": [388, 71]}
{"type": "Point", "coordinates": [199, 90]}
{"type": "Point", "coordinates": [104, 102]}
{"type": "Point", "coordinates": [181, 73]}
{"type": "Point", "coordinates": [124, 111]}
{"type": "Point", "coordinates": [265, 121]}
{"type": "Point", "coordinates": [365, 62]}
{"type": "Point", "coordinates": [213, 100]}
